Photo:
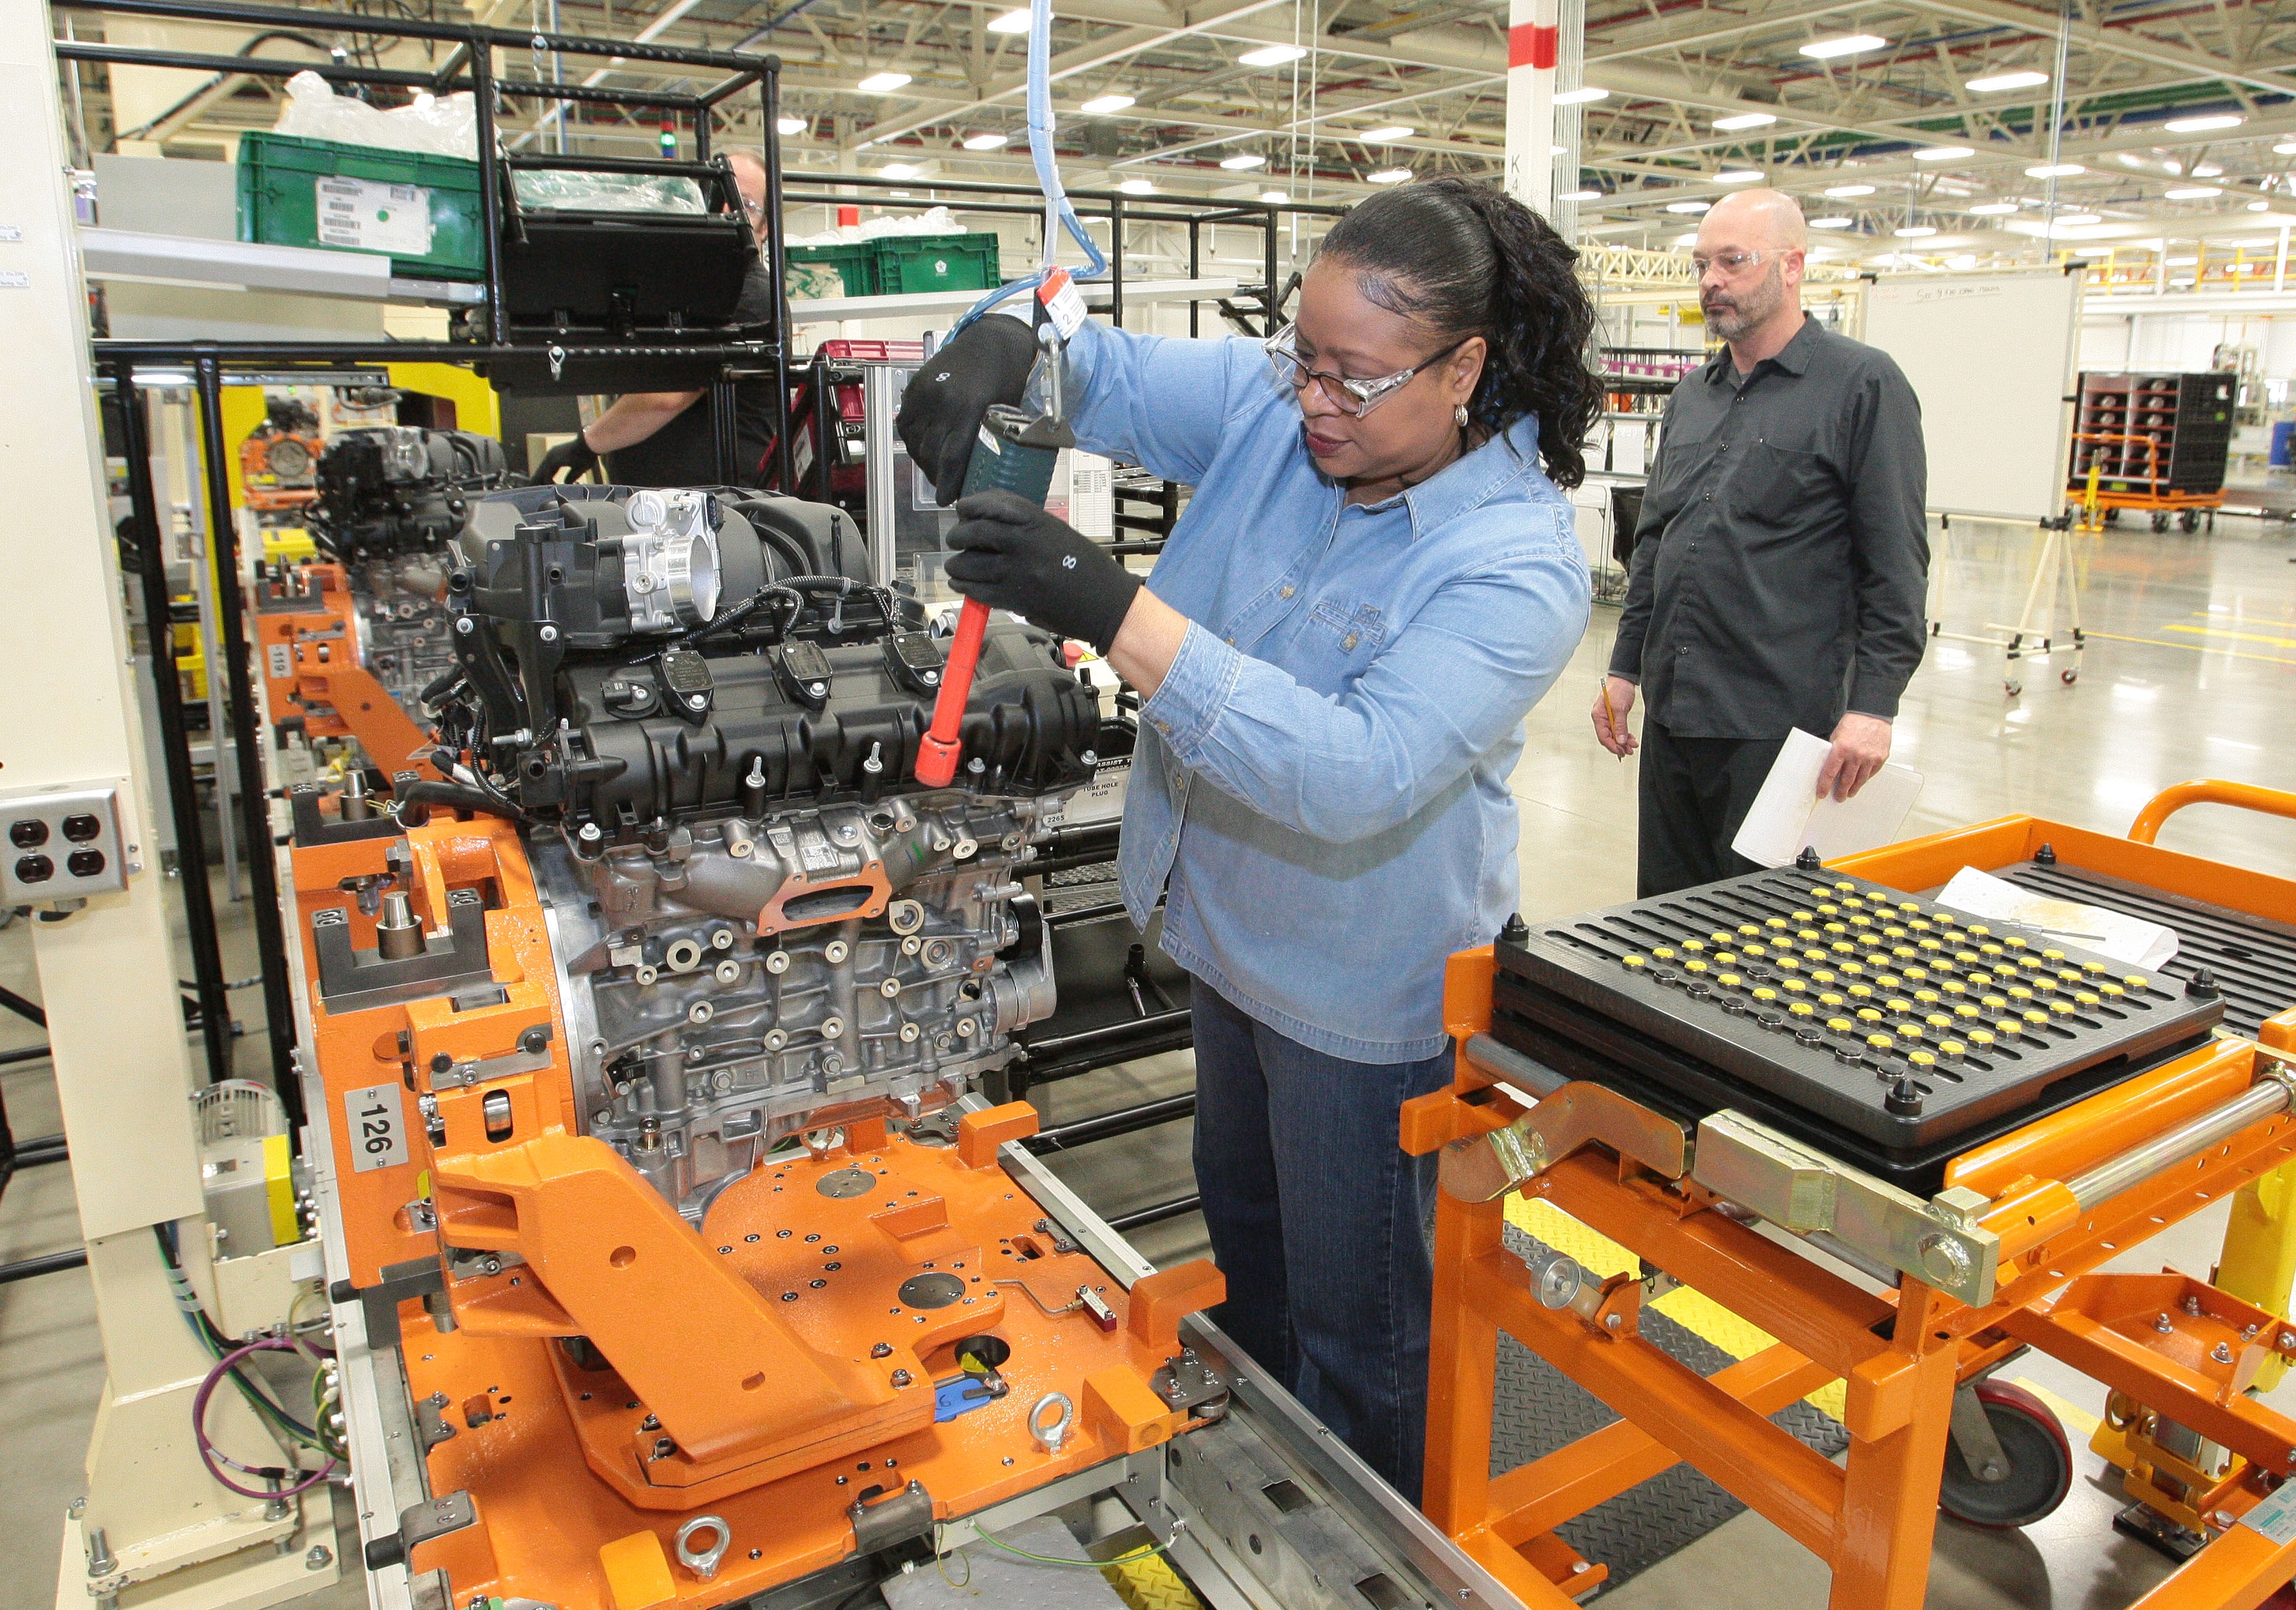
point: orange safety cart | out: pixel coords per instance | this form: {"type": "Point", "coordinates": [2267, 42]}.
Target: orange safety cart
{"type": "Point", "coordinates": [2047, 1203]}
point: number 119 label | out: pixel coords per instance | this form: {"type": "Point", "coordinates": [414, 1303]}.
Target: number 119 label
{"type": "Point", "coordinates": [376, 1125]}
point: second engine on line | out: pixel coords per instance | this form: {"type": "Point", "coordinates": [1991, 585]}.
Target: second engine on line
{"type": "Point", "coordinates": [390, 498]}
{"type": "Point", "coordinates": [707, 718]}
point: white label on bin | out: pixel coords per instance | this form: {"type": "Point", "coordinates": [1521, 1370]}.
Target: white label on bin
{"type": "Point", "coordinates": [377, 1131]}
{"type": "Point", "coordinates": [366, 216]}
{"type": "Point", "coordinates": [282, 662]}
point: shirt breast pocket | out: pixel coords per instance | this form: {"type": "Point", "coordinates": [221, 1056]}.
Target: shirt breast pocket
{"type": "Point", "coordinates": [1777, 485]}
{"type": "Point", "coordinates": [1353, 631]}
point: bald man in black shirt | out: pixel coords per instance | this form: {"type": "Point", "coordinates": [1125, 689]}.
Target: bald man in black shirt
{"type": "Point", "coordinates": [1781, 562]}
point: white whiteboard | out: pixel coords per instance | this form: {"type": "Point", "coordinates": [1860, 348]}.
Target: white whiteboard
{"type": "Point", "coordinates": [1991, 358]}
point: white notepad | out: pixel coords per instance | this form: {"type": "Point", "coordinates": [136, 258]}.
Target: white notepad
{"type": "Point", "coordinates": [1788, 817]}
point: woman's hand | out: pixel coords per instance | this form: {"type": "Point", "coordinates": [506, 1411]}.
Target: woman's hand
{"type": "Point", "coordinates": [987, 362]}
{"type": "Point", "coordinates": [1012, 556]}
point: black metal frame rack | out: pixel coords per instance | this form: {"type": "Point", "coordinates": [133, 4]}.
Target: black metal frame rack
{"type": "Point", "coordinates": [470, 65]}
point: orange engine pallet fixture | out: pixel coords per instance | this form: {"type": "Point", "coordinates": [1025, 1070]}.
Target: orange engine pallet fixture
{"type": "Point", "coordinates": [2042, 1204]}
{"type": "Point", "coordinates": [591, 1372]}
{"type": "Point", "coordinates": [312, 670]}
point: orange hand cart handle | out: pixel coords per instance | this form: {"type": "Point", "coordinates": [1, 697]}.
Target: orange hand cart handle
{"type": "Point", "coordinates": [2271, 801]}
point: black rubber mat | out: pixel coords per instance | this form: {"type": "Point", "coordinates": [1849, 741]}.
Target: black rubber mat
{"type": "Point", "coordinates": [1537, 1409]}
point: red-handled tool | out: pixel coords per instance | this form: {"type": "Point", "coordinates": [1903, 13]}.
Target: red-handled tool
{"type": "Point", "coordinates": [937, 751]}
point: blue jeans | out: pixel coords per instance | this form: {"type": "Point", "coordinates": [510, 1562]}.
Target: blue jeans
{"type": "Point", "coordinates": [1316, 1213]}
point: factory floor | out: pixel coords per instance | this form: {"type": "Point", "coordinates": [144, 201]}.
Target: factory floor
{"type": "Point", "coordinates": [2191, 673]}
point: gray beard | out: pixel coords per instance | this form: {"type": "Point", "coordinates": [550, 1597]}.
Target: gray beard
{"type": "Point", "coordinates": [1752, 309]}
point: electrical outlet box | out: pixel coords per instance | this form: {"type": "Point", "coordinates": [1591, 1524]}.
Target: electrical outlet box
{"type": "Point", "coordinates": [61, 845]}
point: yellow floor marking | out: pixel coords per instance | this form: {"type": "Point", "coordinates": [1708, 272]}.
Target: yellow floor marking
{"type": "Point", "coordinates": [2226, 631]}
{"type": "Point", "coordinates": [1694, 1310]}
{"type": "Point", "coordinates": [2077, 1420]}
{"type": "Point", "coordinates": [2198, 648]}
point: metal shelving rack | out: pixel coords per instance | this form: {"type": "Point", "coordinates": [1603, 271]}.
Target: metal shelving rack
{"type": "Point", "coordinates": [713, 364]}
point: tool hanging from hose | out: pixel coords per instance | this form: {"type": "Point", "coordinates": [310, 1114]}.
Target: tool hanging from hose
{"type": "Point", "coordinates": [1014, 451]}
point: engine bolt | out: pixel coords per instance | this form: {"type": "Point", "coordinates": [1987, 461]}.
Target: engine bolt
{"type": "Point", "coordinates": [902, 1378]}
{"type": "Point", "coordinates": [2221, 1352]}
{"type": "Point", "coordinates": [883, 1349]}
{"type": "Point", "coordinates": [727, 972]}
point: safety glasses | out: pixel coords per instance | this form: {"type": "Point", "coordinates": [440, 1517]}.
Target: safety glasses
{"type": "Point", "coordinates": [1356, 397]}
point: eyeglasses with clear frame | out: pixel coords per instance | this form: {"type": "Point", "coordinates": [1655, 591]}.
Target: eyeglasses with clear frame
{"type": "Point", "coordinates": [1354, 397]}
{"type": "Point", "coordinates": [1731, 263]}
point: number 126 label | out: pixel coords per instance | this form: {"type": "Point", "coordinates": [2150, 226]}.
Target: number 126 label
{"type": "Point", "coordinates": [376, 1125]}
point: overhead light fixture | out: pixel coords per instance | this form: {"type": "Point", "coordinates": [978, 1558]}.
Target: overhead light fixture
{"type": "Point", "coordinates": [1011, 22]}
{"type": "Point", "coordinates": [1389, 176]}
{"type": "Point", "coordinates": [1842, 192]}
{"type": "Point", "coordinates": [1914, 232]}
{"type": "Point", "coordinates": [897, 170]}
{"type": "Point", "coordinates": [1964, 262]}
{"type": "Point", "coordinates": [2054, 170]}
{"type": "Point", "coordinates": [879, 84]}
{"type": "Point", "coordinates": [788, 127]}
{"type": "Point", "coordinates": [1100, 106]}
{"type": "Point", "coordinates": [987, 142]}
{"type": "Point", "coordinates": [1242, 159]}
{"type": "Point", "coordinates": [1580, 96]}
{"type": "Point", "coordinates": [1943, 153]}
{"type": "Point", "coordinates": [1272, 56]}
{"type": "Point", "coordinates": [2207, 170]}
{"type": "Point", "coordinates": [1849, 45]}
{"type": "Point", "coordinates": [1275, 195]}
{"type": "Point", "coordinates": [2259, 206]}
{"type": "Point", "coordinates": [1832, 223]}
{"type": "Point", "coordinates": [1389, 131]}
{"type": "Point", "coordinates": [2192, 193]}
{"type": "Point", "coordinates": [1580, 195]}
{"type": "Point", "coordinates": [1994, 209]}
{"type": "Point", "coordinates": [2183, 262]}
{"type": "Point", "coordinates": [1745, 120]}
{"type": "Point", "coordinates": [2204, 125]}
{"type": "Point", "coordinates": [1688, 206]}
{"type": "Point", "coordinates": [1137, 187]}
{"type": "Point", "coordinates": [2077, 220]}
{"type": "Point", "coordinates": [2024, 79]}
{"type": "Point", "coordinates": [1737, 175]}
{"type": "Point", "coordinates": [2287, 148]}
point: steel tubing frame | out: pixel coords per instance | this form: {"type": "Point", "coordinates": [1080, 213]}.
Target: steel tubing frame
{"type": "Point", "coordinates": [1902, 1353]}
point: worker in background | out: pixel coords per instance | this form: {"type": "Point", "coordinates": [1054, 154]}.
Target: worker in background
{"type": "Point", "coordinates": [1781, 562]}
{"type": "Point", "coordinates": [1372, 584]}
{"type": "Point", "coordinates": [662, 439]}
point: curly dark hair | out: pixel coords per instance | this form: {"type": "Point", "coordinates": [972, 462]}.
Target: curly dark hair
{"type": "Point", "coordinates": [1468, 260]}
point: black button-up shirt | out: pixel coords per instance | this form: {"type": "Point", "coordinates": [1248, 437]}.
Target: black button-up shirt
{"type": "Point", "coordinates": [1780, 564]}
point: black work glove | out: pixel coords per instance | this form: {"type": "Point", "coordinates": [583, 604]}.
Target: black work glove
{"type": "Point", "coordinates": [987, 363]}
{"type": "Point", "coordinates": [1011, 556]}
{"type": "Point", "coordinates": [573, 457]}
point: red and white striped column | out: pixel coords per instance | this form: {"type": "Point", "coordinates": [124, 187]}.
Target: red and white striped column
{"type": "Point", "coordinates": [1531, 45]}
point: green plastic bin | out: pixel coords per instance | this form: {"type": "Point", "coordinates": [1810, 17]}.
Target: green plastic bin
{"type": "Point", "coordinates": [936, 262]}
{"type": "Point", "coordinates": [421, 210]}
{"type": "Point", "coordinates": [819, 271]}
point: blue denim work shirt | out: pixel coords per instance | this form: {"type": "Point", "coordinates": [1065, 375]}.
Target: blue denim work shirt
{"type": "Point", "coordinates": [1320, 782]}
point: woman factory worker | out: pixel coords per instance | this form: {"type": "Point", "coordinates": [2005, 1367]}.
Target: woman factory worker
{"type": "Point", "coordinates": [1372, 584]}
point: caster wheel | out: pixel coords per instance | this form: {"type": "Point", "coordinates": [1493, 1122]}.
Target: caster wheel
{"type": "Point", "coordinates": [2112, 517]}
{"type": "Point", "coordinates": [2068, 677]}
{"type": "Point", "coordinates": [2040, 1463]}
{"type": "Point", "coordinates": [2161, 521]}
{"type": "Point", "coordinates": [2013, 688]}
{"type": "Point", "coordinates": [2188, 521]}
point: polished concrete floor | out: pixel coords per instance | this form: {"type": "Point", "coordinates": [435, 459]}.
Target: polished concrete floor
{"type": "Point", "coordinates": [2190, 672]}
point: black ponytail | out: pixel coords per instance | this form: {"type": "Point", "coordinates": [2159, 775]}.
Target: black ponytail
{"type": "Point", "coordinates": [1469, 259]}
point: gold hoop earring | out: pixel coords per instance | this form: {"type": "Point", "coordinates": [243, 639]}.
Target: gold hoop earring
{"type": "Point", "coordinates": [1459, 416]}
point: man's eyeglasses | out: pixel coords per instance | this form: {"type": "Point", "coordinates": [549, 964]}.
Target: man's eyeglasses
{"type": "Point", "coordinates": [1731, 263]}
{"type": "Point", "coordinates": [754, 208]}
{"type": "Point", "coordinates": [1356, 397]}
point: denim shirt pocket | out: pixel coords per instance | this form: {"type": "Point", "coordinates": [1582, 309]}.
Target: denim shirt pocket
{"type": "Point", "coordinates": [1345, 634]}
